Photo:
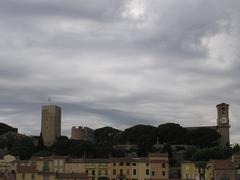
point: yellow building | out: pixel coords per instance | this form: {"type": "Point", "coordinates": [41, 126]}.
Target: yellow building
{"type": "Point", "coordinates": [45, 168]}
{"type": "Point", "coordinates": [94, 168]}
{"type": "Point", "coordinates": [6, 162]}
{"type": "Point", "coordinates": [193, 170]}
{"type": "Point", "coordinates": [155, 166]}
{"type": "Point", "coordinates": [97, 168]}
{"type": "Point", "coordinates": [189, 170]}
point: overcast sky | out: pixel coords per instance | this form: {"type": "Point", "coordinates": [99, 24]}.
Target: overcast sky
{"type": "Point", "coordinates": [119, 62]}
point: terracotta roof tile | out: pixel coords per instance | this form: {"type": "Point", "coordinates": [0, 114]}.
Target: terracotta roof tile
{"type": "Point", "coordinates": [159, 161]}
{"type": "Point", "coordinates": [223, 164]}
{"type": "Point", "coordinates": [23, 169]}
{"type": "Point", "coordinates": [72, 175]}
{"type": "Point", "coordinates": [158, 155]}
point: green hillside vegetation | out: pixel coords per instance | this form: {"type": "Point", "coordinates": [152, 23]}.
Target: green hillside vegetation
{"type": "Point", "coordinates": [172, 133]}
{"type": "Point", "coordinates": [206, 154]}
{"type": "Point", "coordinates": [4, 128]}
{"type": "Point", "coordinates": [18, 145]}
{"type": "Point", "coordinates": [144, 137]}
{"type": "Point", "coordinates": [139, 140]}
{"type": "Point", "coordinates": [106, 135]}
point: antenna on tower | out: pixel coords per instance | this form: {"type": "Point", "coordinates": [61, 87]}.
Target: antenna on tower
{"type": "Point", "coordinates": [49, 100]}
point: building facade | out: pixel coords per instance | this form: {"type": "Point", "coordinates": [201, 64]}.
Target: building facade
{"type": "Point", "coordinates": [192, 171]}
{"type": "Point", "coordinates": [154, 167]}
{"type": "Point", "coordinates": [50, 124]}
{"type": "Point", "coordinates": [6, 167]}
{"type": "Point", "coordinates": [212, 170]}
{"type": "Point", "coordinates": [5, 162]}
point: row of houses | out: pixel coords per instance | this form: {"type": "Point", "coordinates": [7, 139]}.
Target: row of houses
{"type": "Point", "coordinates": [216, 169]}
{"type": "Point", "coordinates": [153, 167]}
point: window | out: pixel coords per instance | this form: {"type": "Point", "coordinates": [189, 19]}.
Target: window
{"type": "Point", "coordinates": [45, 166]}
{"type": "Point", "coordinates": [93, 172]}
{"type": "Point", "coordinates": [147, 164]}
{"type": "Point", "coordinates": [99, 172]}
{"type": "Point", "coordinates": [223, 111]}
{"type": "Point", "coordinates": [128, 163]}
{"type": "Point", "coordinates": [33, 163]}
{"type": "Point", "coordinates": [127, 171]}
{"type": "Point", "coordinates": [163, 173]}
{"type": "Point", "coordinates": [134, 171]}
{"type": "Point", "coordinates": [33, 176]}
{"type": "Point", "coordinates": [147, 171]}
{"type": "Point", "coordinates": [121, 172]}
{"type": "Point", "coordinates": [114, 164]}
{"type": "Point", "coordinates": [224, 177]}
{"type": "Point", "coordinates": [55, 163]}
{"type": "Point", "coordinates": [133, 164]}
{"type": "Point", "coordinates": [153, 173]}
{"type": "Point", "coordinates": [121, 164]}
{"type": "Point", "coordinates": [45, 177]}
{"type": "Point", "coordinates": [23, 175]}
{"type": "Point", "coordinates": [163, 165]}
{"type": "Point", "coordinates": [114, 172]}
{"type": "Point", "coordinates": [86, 171]}
{"type": "Point", "coordinates": [61, 162]}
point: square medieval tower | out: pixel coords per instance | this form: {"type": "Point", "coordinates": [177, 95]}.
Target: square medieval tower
{"type": "Point", "coordinates": [51, 124]}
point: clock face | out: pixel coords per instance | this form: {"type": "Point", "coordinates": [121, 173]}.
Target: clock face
{"type": "Point", "coordinates": [224, 120]}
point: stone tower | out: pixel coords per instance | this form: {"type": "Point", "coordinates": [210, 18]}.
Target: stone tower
{"type": "Point", "coordinates": [51, 124]}
{"type": "Point", "coordinates": [223, 125]}
{"type": "Point", "coordinates": [82, 133]}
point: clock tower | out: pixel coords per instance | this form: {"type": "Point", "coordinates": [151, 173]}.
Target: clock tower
{"type": "Point", "coordinates": [223, 123]}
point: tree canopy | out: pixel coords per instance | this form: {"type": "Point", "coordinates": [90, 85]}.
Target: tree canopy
{"type": "Point", "coordinates": [107, 139]}
{"type": "Point", "coordinates": [171, 133]}
{"type": "Point", "coordinates": [6, 128]}
{"type": "Point", "coordinates": [106, 135]}
{"type": "Point", "coordinates": [202, 137]}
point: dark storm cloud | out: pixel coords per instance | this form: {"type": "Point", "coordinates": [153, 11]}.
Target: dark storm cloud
{"type": "Point", "coordinates": [119, 63]}
{"type": "Point", "coordinates": [113, 116]}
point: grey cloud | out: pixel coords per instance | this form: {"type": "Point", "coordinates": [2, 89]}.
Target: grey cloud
{"type": "Point", "coordinates": [105, 67]}
{"type": "Point", "coordinates": [99, 10]}
{"type": "Point", "coordinates": [112, 115]}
